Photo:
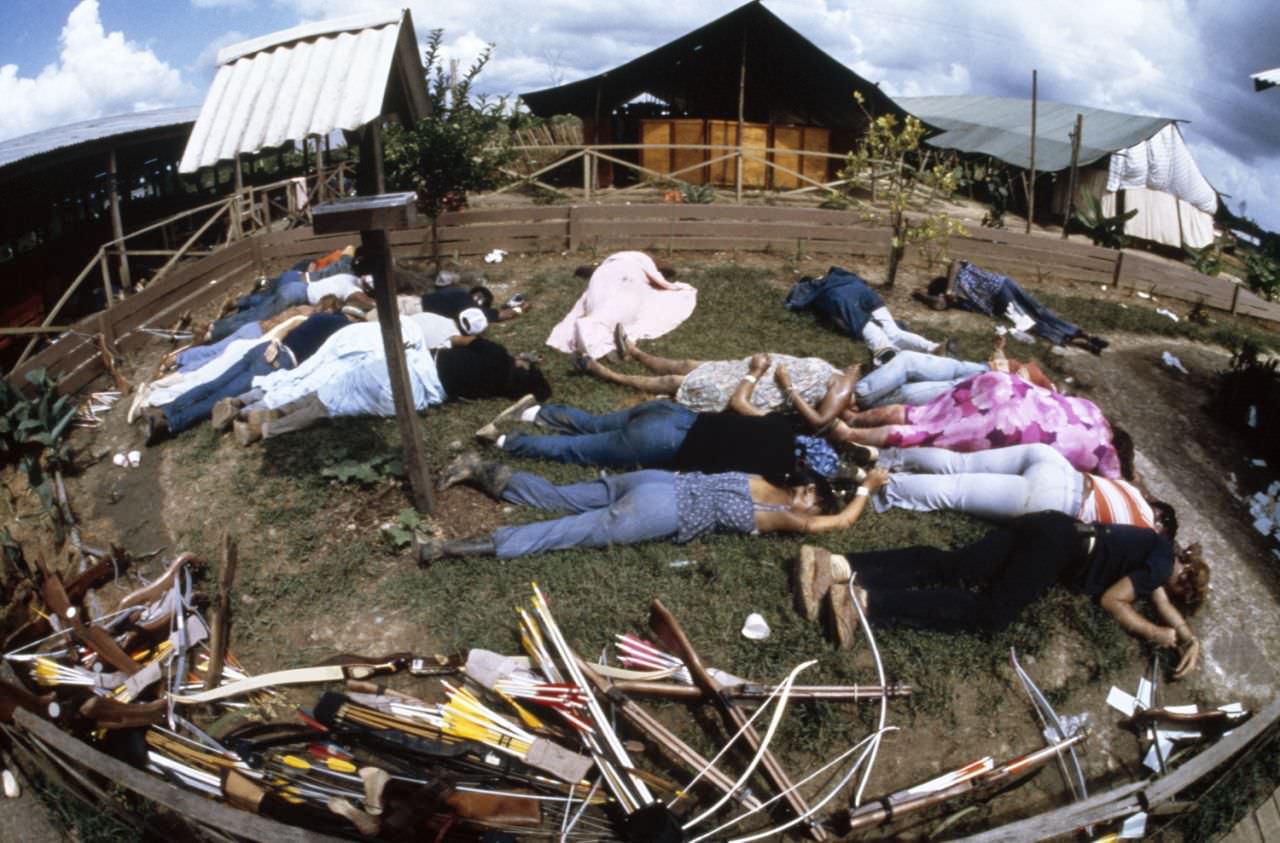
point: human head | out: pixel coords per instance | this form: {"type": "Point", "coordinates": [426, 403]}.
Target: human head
{"type": "Point", "coordinates": [1166, 518]}
{"type": "Point", "coordinates": [937, 286]}
{"type": "Point", "coordinates": [482, 296]}
{"type": "Point", "coordinates": [329, 304]}
{"type": "Point", "coordinates": [813, 495]}
{"type": "Point", "coordinates": [472, 321]}
{"type": "Point", "coordinates": [1190, 580]}
{"type": "Point", "coordinates": [525, 378]}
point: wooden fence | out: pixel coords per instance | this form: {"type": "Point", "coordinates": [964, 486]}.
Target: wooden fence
{"type": "Point", "coordinates": [838, 236]}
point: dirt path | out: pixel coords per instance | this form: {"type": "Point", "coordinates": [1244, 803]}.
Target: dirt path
{"type": "Point", "coordinates": [1186, 458]}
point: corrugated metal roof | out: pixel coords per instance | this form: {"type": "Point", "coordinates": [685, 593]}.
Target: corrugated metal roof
{"type": "Point", "coordinates": [1266, 79]}
{"type": "Point", "coordinates": [309, 80]}
{"type": "Point", "coordinates": [49, 140]}
{"type": "Point", "coordinates": [1001, 127]}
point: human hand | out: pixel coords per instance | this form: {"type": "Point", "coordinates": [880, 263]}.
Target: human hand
{"type": "Point", "coordinates": [782, 377]}
{"type": "Point", "coordinates": [1166, 636]}
{"type": "Point", "coordinates": [877, 478]}
{"type": "Point", "coordinates": [759, 364]}
{"type": "Point", "coordinates": [1190, 659]}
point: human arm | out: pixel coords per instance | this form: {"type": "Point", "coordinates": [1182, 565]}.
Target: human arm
{"type": "Point", "coordinates": [838, 398]}
{"type": "Point", "coordinates": [793, 522]}
{"type": "Point", "coordinates": [1186, 638]}
{"type": "Point", "coordinates": [1119, 601]}
{"type": "Point", "coordinates": [740, 401]}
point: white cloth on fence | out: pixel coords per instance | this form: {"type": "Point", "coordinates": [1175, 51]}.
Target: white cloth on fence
{"type": "Point", "coordinates": [1162, 162]}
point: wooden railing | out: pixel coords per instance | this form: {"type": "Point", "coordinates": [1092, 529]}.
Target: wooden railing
{"type": "Point", "coordinates": [837, 236]}
{"type": "Point", "coordinates": [591, 155]}
{"type": "Point", "coordinates": [252, 211]}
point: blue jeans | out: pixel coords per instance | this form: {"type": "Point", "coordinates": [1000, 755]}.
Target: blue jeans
{"type": "Point", "coordinates": [623, 509]}
{"type": "Point", "coordinates": [194, 406]}
{"type": "Point", "coordinates": [193, 358]}
{"type": "Point", "coordinates": [648, 434]}
{"type": "Point", "coordinates": [258, 306]}
{"type": "Point", "coordinates": [913, 377]}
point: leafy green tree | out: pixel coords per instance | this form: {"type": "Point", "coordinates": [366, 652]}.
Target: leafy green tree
{"type": "Point", "coordinates": [903, 188]}
{"type": "Point", "coordinates": [1103, 230]}
{"type": "Point", "coordinates": [460, 147]}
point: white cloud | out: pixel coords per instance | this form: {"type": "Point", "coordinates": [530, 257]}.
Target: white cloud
{"type": "Point", "coordinates": [222, 4]}
{"type": "Point", "coordinates": [97, 73]}
{"type": "Point", "coordinates": [206, 61]}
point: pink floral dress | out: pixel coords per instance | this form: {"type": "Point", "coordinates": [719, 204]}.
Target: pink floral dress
{"type": "Point", "coordinates": [998, 409]}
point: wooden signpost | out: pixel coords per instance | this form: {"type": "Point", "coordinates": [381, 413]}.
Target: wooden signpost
{"type": "Point", "coordinates": [373, 217]}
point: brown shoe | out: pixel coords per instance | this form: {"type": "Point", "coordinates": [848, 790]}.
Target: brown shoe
{"type": "Point", "coordinates": [812, 580]}
{"type": "Point", "coordinates": [261, 416]}
{"type": "Point", "coordinates": [224, 413]}
{"type": "Point", "coordinates": [844, 618]}
{"type": "Point", "coordinates": [491, 431]}
{"type": "Point", "coordinates": [246, 434]}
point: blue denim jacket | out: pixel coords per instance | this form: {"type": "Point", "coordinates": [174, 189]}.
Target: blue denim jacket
{"type": "Point", "coordinates": [840, 296]}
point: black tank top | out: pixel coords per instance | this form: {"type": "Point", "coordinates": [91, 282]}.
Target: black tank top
{"type": "Point", "coordinates": [726, 441]}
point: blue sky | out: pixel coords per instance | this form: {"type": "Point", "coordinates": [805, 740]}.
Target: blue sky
{"type": "Point", "coordinates": [67, 60]}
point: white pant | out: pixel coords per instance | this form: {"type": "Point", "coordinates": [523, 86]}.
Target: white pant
{"type": "Point", "coordinates": [999, 484]}
{"type": "Point", "coordinates": [883, 332]}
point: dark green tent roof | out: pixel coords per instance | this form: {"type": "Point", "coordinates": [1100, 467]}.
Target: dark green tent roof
{"type": "Point", "coordinates": [1001, 127]}
{"type": "Point", "coordinates": [789, 79]}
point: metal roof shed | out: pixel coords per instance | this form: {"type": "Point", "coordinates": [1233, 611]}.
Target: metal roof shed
{"type": "Point", "coordinates": [309, 80]}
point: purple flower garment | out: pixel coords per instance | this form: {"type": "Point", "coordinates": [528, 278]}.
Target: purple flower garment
{"type": "Point", "coordinates": [998, 409]}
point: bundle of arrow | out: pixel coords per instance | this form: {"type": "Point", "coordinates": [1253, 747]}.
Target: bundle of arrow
{"type": "Point", "coordinates": [518, 745]}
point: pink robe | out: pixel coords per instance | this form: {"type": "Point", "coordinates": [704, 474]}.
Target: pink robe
{"type": "Point", "coordinates": [998, 409]}
{"type": "Point", "coordinates": [626, 288]}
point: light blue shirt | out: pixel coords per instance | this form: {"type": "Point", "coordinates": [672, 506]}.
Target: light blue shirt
{"type": "Point", "coordinates": [349, 373]}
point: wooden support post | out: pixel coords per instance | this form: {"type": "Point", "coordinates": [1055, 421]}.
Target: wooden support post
{"type": "Point", "coordinates": [1115, 274]}
{"type": "Point", "coordinates": [1071, 178]}
{"type": "Point", "coordinates": [237, 224]}
{"type": "Point", "coordinates": [1031, 183]}
{"type": "Point", "coordinates": [373, 216]}
{"type": "Point", "coordinates": [117, 225]}
{"type": "Point", "coordinates": [586, 174]}
{"type": "Point", "coordinates": [742, 105]}
{"type": "Point", "coordinates": [219, 622]}
{"type": "Point", "coordinates": [1235, 299]}
{"type": "Point", "coordinates": [106, 277]}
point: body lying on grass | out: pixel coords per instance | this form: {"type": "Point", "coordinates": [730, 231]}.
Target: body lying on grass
{"type": "Point", "coordinates": [1014, 565]}
{"type": "Point", "coordinates": [352, 380]}
{"type": "Point", "coordinates": [643, 506]}
{"type": "Point", "coordinates": [329, 338]}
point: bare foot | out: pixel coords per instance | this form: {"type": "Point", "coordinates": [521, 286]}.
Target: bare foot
{"type": "Point", "coordinates": [621, 342]}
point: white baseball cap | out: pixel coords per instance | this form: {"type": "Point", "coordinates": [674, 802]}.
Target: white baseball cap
{"type": "Point", "coordinates": [472, 321]}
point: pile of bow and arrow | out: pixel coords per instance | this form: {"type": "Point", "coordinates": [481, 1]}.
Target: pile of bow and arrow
{"type": "Point", "coordinates": [545, 744]}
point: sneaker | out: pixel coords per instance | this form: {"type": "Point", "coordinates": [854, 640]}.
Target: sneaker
{"type": "Point", "coordinates": [883, 356]}
{"type": "Point", "coordinates": [491, 431]}
{"type": "Point", "coordinates": [459, 470]}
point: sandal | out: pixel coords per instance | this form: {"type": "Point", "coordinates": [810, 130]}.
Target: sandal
{"type": "Point", "coordinates": [813, 580]}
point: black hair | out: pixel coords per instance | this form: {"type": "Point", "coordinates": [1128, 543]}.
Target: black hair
{"type": "Point", "coordinates": [1123, 443]}
{"type": "Point", "coordinates": [1166, 518]}
{"type": "Point", "coordinates": [485, 294]}
{"type": "Point", "coordinates": [522, 381]}
{"type": "Point", "coordinates": [828, 500]}
{"type": "Point", "coordinates": [937, 286]}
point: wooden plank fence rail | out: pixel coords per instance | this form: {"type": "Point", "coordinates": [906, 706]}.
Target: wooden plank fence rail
{"type": "Point", "coordinates": [663, 228]}
{"type": "Point", "coordinates": [75, 756]}
{"type": "Point", "coordinates": [1142, 796]}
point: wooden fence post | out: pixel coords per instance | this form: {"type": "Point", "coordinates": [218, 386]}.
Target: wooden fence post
{"type": "Point", "coordinates": [1115, 275]}
{"type": "Point", "coordinates": [575, 231]}
{"type": "Point", "coordinates": [1235, 299]}
{"type": "Point", "coordinates": [106, 278]}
